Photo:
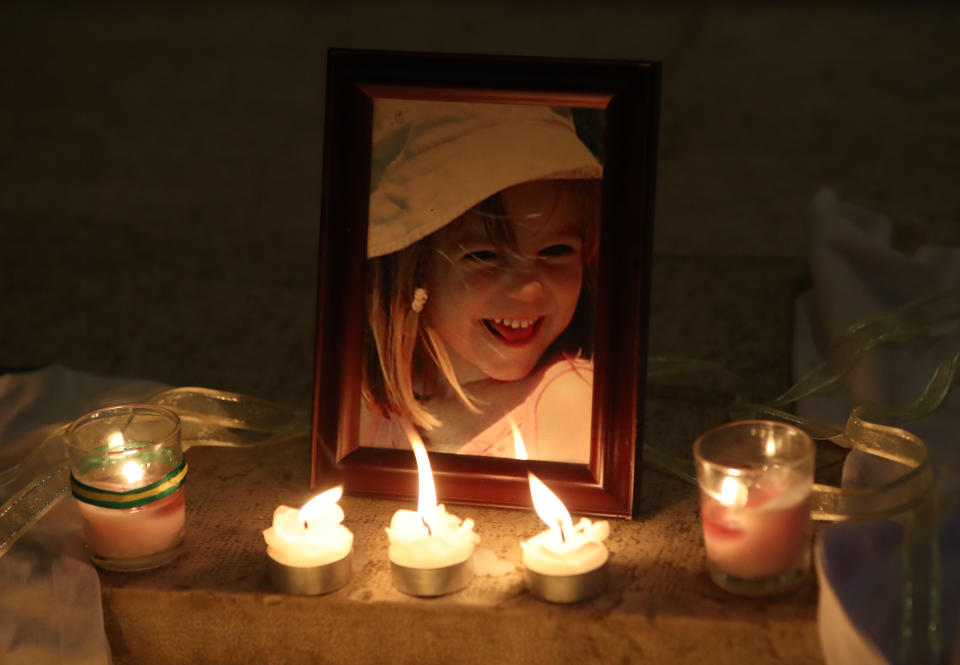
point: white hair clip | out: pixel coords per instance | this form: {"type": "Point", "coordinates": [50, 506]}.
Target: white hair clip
{"type": "Point", "coordinates": [419, 299]}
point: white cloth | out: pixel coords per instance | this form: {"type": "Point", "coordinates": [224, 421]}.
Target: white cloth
{"type": "Point", "coordinates": [855, 272]}
{"type": "Point", "coordinates": [50, 606]}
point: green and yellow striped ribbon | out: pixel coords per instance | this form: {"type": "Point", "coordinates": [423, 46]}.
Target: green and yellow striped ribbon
{"type": "Point", "coordinates": [134, 498]}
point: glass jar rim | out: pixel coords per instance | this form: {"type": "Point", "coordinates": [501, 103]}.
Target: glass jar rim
{"type": "Point", "coordinates": [113, 411]}
{"type": "Point", "coordinates": [808, 455]}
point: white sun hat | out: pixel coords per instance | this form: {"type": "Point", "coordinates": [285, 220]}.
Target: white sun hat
{"type": "Point", "coordinates": [434, 160]}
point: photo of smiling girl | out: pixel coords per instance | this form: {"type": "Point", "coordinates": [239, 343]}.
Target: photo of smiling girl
{"type": "Point", "coordinates": [482, 252]}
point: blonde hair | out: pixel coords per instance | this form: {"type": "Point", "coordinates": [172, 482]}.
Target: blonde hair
{"type": "Point", "coordinates": [404, 357]}
{"type": "Point", "coordinates": [397, 345]}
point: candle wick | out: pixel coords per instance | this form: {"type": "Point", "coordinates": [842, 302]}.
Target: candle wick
{"type": "Point", "coordinates": [563, 536]}
{"type": "Point", "coordinates": [305, 525]}
{"type": "Point", "coordinates": [424, 520]}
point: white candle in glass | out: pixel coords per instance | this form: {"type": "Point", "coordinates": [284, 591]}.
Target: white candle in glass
{"type": "Point", "coordinates": [130, 533]}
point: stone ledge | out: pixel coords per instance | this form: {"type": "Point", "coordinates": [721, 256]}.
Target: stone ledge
{"type": "Point", "coordinates": [210, 627]}
{"type": "Point", "coordinates": [214, 605]}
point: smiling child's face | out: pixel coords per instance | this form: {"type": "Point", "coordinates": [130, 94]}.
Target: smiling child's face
{"type": "Point", "coordinates": [498, 310]}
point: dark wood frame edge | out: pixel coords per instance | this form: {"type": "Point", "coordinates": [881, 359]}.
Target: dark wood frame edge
{"type": "Point", "coordinates": [612, 481]}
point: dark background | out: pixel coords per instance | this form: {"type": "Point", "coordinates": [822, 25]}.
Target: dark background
{"type": "Point", "coordinates": [160, 165]}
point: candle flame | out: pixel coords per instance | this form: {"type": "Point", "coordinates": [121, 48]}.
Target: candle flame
{"type": "Point", "coordinates": [519, 450]}
{"type": "Point", "coordinates": [427, 498]}
{"type": "Point", "coordinates": [133, 471]}
{"type": "Point", "coordinates": [771, 448]}
{"type": "Point", "coordinates": [549, 507]}
{"type": "Point", "coordinates": [733, 492]}
{"type": "Point", "coordinates": [115, 440]}
{"type": "Point", "coordinates": [317, 504]}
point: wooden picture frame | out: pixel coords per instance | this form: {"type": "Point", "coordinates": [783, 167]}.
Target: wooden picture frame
{"type": "Point", "coordinates": [628, 93]}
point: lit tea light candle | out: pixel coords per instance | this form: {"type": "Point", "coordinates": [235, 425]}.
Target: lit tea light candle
{"type": "Point", "coordinates": [564, 548]}
{"type": "Point", "coordinates": [567, 562]}
{"type": "Point", "coordinates": [755, 482]}
{"type": "Point", "coordinates": [127, 471]}
{"type": "Point", "coordinates": [430, 549]}
{"type": "Point", "coordinates": [309, 549]}
{"type": "Point", "coordinates": [312, 535]}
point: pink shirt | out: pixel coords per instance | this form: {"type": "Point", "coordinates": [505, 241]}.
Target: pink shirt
{"type": "Point", "coordinates": [567, 383]}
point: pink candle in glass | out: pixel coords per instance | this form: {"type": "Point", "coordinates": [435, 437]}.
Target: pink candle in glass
{"type": "Point", "coordinates": [755, 478]}
{"type": "Point", "coordinates": [759, 531]}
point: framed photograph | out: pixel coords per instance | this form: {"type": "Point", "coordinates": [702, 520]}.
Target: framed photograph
{"type": "Point", "coordinates": [484, 276]}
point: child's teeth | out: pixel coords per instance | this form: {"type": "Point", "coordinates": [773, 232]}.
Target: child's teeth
{"type": "Point", "coordinates": [515, 323]}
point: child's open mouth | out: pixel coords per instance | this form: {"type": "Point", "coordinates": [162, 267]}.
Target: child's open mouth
{"type": "Point", "coordinates": [514, 332]}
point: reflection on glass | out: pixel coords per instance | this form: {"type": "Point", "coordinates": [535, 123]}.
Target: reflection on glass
{"type": "Point", "coordinates": [482, 254]}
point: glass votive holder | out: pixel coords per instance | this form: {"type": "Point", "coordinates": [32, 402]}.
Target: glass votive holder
{"type": "Point", "coordinates": [126, 472]}
{"type": "Point", "coordinates": [755, 480]}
